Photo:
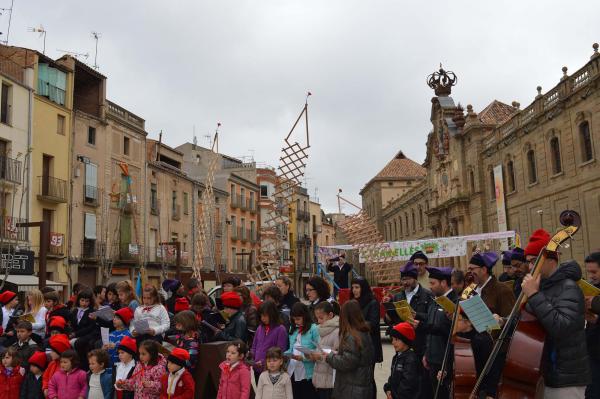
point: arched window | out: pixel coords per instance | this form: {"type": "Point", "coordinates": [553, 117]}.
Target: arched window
{"type": "Point", "coordinates": [472, 180]}
{"type": "Point", "coordinates": [414, 224]}
{"type": "Point", "coordinates": [395, 231]}
{"type": "Point", "coordinates": [421, 218]}
{"type": "Point", "coordinates": [406, 222]}
{"type": "Point", "coordinates": [586, 141]}
{"type": "Point", "coordinates": [400, 225]}
{"type": "Point", "coordinates": [510, 170]}
{"type": "Point", "coordinates": [531, 166]}
{"type": "Point", "coordinates": [492, 185]}
{"type": "Point", "coordinates": [555, 155]}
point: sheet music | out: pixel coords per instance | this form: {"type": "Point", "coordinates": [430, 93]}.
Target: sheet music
{"type": "Point", "coordinates": [105, 313]}
{"type": "Point", "coordinates": [446, 304]}
{"type": "Point", "coordinates": [479, 314]}
{"type": "Point", "coordinates": [587, 288]}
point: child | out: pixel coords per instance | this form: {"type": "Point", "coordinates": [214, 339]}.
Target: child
{"type": "Point", "coordinates": [69, 382]}
{"type": "Point", "coordinates": [99, 378]}
{"type": "Point", "coordinates": [274, 382]}
{"type": "Point", "coordinates": [126, 294]}
{"type": "Point", "coordinates": [58, 325]}
{"type": "Point", "coordinates": [35, 307]}
{"type": "Point", "coordinates": [353, 363]}
{"type": "Point", "coordinates": [123, 370]}
{"type": "Point", "coordinates": [270, 333]}
{"type": "Point", "coordinates": [55, 308]}
{"type": "Point", "coordinates": [112, 296]}
{"type": "Point", "coordinates": [121, 321]}
{"type": "Point", "coordinates": [404, 378]}
{"type": "Point", "coordinates": [178, 383]}
{"type": "Point", "coordinates": [57, 344]}
{"type": "Point", "coordinates": [32, 384]}
{"type": "Point", "coordinates": [306, 334]}
{"type": "Point", "coordinates": [235, 373]}
{"type": "Point", "coordinates": [145, 380]}
{"type": "Point", "coordinates": [153, 312]}
{"type": "Point", "coordinates": [10, 310]}
{"type": "Point", "coordinates": [11, 375]}
{"type": "Point", "coordinates": [329, 332]}
{"type": "Point", "coordinates": [236, 327]}
{"type": "Point", "coordinates": [85, 330]}
{"type": "Point", "coordinates": [186, 323]}
{"type": "Point", "coordinates": [25, 346]}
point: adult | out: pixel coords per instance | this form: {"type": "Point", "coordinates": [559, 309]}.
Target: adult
{"type": "Point", "coordinates": [341, 270]}
{"type": "Point", "coordinates": [288, 298]}
{"type": "Point", "coordinates": [230, 283]}
{"type": "Point", "coordinates": [437, 327]}
{"type": "Point", "coordinates": [520, 267]}
{"type": "Point", "coordinates": [317, 291]}
{"type": "Point", "coordinates": [457, 282]}
{"type": "Point", "coordinates": [421, 261]}
{"type": "Point", "coordinates": [508, 273]}
{"type": "Point", "coordinates": [558, 303]}
{"type": "Point", "coordinates": [419, 298]}
{"type": "Point", "coordinates": [592, 330]}
{"type": "Point", "coordinates": [35, 306]}
{"type": "Point", "coordinates": [499, 299]}
{"type": "Point", "coordinates": [361, 292]}
{"type": "Point", "coordinates": [175, 290]}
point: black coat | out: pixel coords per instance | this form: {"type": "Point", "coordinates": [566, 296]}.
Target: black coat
{"type": "Point", "coordinates": [340, 274]}
{"type": "Point", "coordinates": [31, 387]}
{"type": "Point", "coordinates": [353, 367]}
{"type": "Point", "coordinates": [420, 303]}
{"type": "Point", "coordinates": [288, 300]}
{"type": "Point", "coordinates": [126, 394]}
{"type": "Point", "coordinates": [371, 314]}
{"type": "Point", "coordinates": [559, 306]}
{"type": "Point", "coordinates": [437, 327]}
{"type": "Point", "coordinates": [86, 327]}
{"type": "Point", "coordinates": [404, 377]}
{"type": "Point", "coordinates": [592, 332]}
{"type": "Point", "coordinates": [8, 340]}
{"type": "Point", "coordinates": [596, 305]}
{"type": "Point", "coordinates": [235, 329]}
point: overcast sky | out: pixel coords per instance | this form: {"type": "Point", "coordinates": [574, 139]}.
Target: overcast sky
{"type": "Point", "coordinates": [248, 65]}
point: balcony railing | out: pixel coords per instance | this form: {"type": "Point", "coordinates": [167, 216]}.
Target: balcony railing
{"type": "Point", "coordinates": [10, 170]}
{"type": "Point", "coordinates": [304, 242]}
{"type": "Point", "coordinates": [93, 250]}
{"type": "Point", "coordinates": [303, 215]}
{"type": "Point", "coordinates": [126, 252]}
{"type": "Point", "coordinates": [234, 233]}
{"type": "Point", "coordinates": [242, 234]}
{"type": "Point", "coordinates": [10, 231]}
{"type": "Point", "coordinates": [90, 195]}
{"type": "Point", "coordinates": [57, 244]}
{"type": "Point", "coordinates": [250, 205]}
{"type": "Point", "coordinates": [52, 189]}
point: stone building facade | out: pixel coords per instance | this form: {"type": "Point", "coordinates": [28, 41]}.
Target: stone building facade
{"type": "Point", "coordinates": [548, 156]}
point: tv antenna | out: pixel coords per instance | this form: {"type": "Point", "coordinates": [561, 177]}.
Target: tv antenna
{"type": "Point", "coordinates": [10, 10]}
{"type": "Point", "coordinates": [251, 155]}
{"type": "Point", "coordinates": [208, 139]}
{"type": "Point", "coordinates": [96, 36]}
{"type": "Point", "coordinates": [74, 53]}
{"type": "Point", "coordinates": [195, 141]}
{"type": "Point", "coordinates": [41, 31]}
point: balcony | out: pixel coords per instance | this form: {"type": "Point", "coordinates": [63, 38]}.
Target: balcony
{"type": "Point", "coordinates": [10, 231]}
{"type": "Point", "coordinates": [10, 170]}
{"type": "Point", "coordinates": [254, 238]}
{"type": "Point", "coordinates": [251, 206]}
{"type": "Point", "coordinates": [303, 215]}
{"type": "Point", "coordinates": [236, 201]}
{"type": "Point", "coordinates": [92, 250]}
{"type": "Point", "coordinates": [57, 245]}
{"type": "Point", "coordinates": [304, 242]}
{"type": "Point", "coordinates": [90, 195]}
{"type": "Point", "coordinates": [242, 234]}
{"type": "Point", "coordinates": [126, 252]}
{"type": "Point", "coordinates": [176, 212]}
{"type": "Point", "coordinates": [234, 233]}
{"type": "Point", "coordinates": [52, 189]}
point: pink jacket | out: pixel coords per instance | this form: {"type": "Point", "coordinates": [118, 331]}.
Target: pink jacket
{"type": "Point", "coordinates": [150, 374]}
{"type": "Point", "coordinates": [234, 383]}
{"type": "Point", "coordinates": [70, 385]}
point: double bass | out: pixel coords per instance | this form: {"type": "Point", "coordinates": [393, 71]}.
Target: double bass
{"type": "Point", "coordinates": [521, 376]}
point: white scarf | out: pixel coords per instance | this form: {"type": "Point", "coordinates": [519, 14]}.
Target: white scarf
{"type": "Point", "coordinates": [173, 380]}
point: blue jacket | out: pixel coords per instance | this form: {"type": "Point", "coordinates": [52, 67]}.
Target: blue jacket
{"type": "Point", "coordinates": [307, 340]}
{"type": "Point", "coordinates": [106, 382]}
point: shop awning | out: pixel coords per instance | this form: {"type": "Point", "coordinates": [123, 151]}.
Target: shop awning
{"type": "Point", "coordinates": [28, 282]}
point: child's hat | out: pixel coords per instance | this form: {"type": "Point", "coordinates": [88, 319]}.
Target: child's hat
{"type": "Point", "coordinates": [59, 343]}
{"type": "Point", "coordinates": [126, 314]}
{"type": "Point", "coordinates": [57, 323]}
{"type": "Point", "coordinates": [39, 359]}
{"type": "Point", "coordinates": [181, 304]}
{"type": "Point", "coordinates": [404, 332]}
{"type": "Point", "coordinates": [7, 296]}
{"type": "Point", "coordinates": [231, 300]}
{"type": "Point", "coordinates": [179, 356]}
{"type": "Point", "coordinates": [128, 345]}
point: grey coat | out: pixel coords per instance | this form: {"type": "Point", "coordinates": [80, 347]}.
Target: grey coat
{"type": "Point", "coordinates": [354, 368]}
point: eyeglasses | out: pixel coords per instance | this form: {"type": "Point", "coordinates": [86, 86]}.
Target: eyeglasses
{"type": "Point", "coordinates": [420, 263]}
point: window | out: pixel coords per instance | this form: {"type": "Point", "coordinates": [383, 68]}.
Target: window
{"type": "Point", "coordinates": [586, 142]}
{"type": "Point", "coordinates": [531, 167]}
{"type": "Point", "coordinates": [395, 237]}
{"type": "Point", "coordinates": [421, 218]}
{"type": "Point", "coordinates": [555, 155]}
{"type": "Point", "coordinates": [60, 124]}
{"type": "Point", "coordinates": [125, 145]}
{"type": "Point", "coordinates": [91, 135]}
{"type": "Point", "coordinates": [406, 222]}
{"type": "Point", "coordinates": [52, 83]}
{"type": "Point", "coordinates": [492, 185]}
{"type": "Point", "coordinates": [413, 221]}
{"type": "Point", "coordinates": [90, 226]}
{"type": "Point", "coordinates": [243, 196]}
{"type": "Point", "coordinates": [174, 202]}
{"type": "Point", "coordinates": [185, 203]}
{"type": "Point", "coordinates": [400, 227]}
{"type": "Point", "coordinates": [233, 258]}
{"type": "Point", "coordinates": [243, 228]}
{"type": "Point", "coordinates": [5, 104]}
{"type": "Point", "coordinates": [91, 183]}
{"type": "Point", "coordinates": [252, 230]}
{"type": "Point", "coordinates": [264, 192]}
{"type": "Point", "coordinates": [472, 181]}
{"type": "Point", "coordinates": [233, 224]}
{"type": "Point", "coordinates": [510, 169]}
{"type": "Point", "coordinates": [252, 199]}
{"type": "Point", "coordinates": [153, 198]}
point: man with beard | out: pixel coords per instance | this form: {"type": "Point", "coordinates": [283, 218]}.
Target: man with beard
{"type": "Point", "coordinates": [592, 330]}
{"type": "Point", "coordinates": [509, 273]}
{"type": "Point", "coordinates": [419, 299]}
{"type": "Point", "coordinates": [554, 298]}
{"type": "Point", "coordinates": [499, 299]}
{"type": "Point", "coordinates": [437, 329]}
{"type": "Point", "coordinates": [520, 267]}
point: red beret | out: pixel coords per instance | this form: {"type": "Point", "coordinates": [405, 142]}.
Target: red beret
{"type": "Point", "coordinates": [231, 300]}
{"type": "Point", "coordinates": [128, 345]}
{"type": "Point", "coordinates": [59, 343]}
{"type": "Point", "coordinates": [538, 241]}
{"type": "Point", "coordinates": [181, 304]}
{"type": "Point", "coordinates": [179, 356]}
{"type": "Point", "coordinates": [39, 359]}
{"type": "Point", "coordinates": [57, 323]}
{"type": "Point", "coordinates": [7, 296]}
{"type": "Point", "coordinates": [404, 332]}
{"type": "Point", "coordinates": [126, 314]}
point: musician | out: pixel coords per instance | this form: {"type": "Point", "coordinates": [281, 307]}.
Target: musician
{"type": "Point", "coordinates": [592, 329]}
{"type": "Point", "coordinates": [458, 282]}
{"type": "Point", "coordinates": [520, 266]}
{"type": "Point", "coordinates": [437, 329]}
{"type": "Point", "coordinates": [421, 261]}
{"type": "Point", "coordinates": [419, 299]}
{"type": "Point", "coordinates": [509, 272]}
{"type": "Point", "coordinates": [499, 299]}
{"type": "Point", "coordinates": [558, 303]}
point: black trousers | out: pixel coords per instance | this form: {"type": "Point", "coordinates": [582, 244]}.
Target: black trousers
{"type": "Point", "coordinates": [482, 345]}
{"type": "Point", "coordinates": [324, 393]}
{"type": "Point", "coordinates": [593, 390]}
{"type": "Point", "coordinates": [303, 389]}
{"type": "Point", "coordinates": [444, 390]}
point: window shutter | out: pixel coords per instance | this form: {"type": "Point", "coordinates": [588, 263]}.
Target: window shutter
{"type": "Point", "coordinates": [90, 226]}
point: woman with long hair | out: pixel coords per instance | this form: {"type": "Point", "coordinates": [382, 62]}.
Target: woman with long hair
{"type": "Point", "coordinates": [362, 293]}
{"type": "Point", "coordinates": [353, 362]}
{"type": "Point", "coordinates": [35, 306]}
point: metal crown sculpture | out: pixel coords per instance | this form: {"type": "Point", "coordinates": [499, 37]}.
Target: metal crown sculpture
{"type": "Point", "coordinates": [442, 81]}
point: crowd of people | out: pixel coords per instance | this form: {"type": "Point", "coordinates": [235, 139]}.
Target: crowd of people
{"type": "Point", "coordinates": [280, 346]}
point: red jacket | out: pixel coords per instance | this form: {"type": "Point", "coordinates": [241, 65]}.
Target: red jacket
{"type": "Point", "coordinates": [49, 372]}
{"type": "Point", "coordinates": [234, 383]}
{"type": "Point", "coordinates": [183, 390]}
{"type": "Point", "coordinates": [10, 387]}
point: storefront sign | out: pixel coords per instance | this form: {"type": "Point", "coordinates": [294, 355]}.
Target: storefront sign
{"type": "Point", "coordinates": [19, 262]}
